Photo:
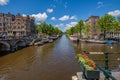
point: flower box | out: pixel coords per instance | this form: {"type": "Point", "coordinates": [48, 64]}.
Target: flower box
{"type": "Point", "coordinates": [90, 74]}
{"type": "Point", "coordinates": [88, 67]}
{"type": "Point", "coordinates": [94, 74]}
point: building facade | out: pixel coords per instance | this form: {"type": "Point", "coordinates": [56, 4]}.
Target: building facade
{"type": "Point", "coordinates": [92, 21]}
{"type": "Point", "coordinates": [16, 25]}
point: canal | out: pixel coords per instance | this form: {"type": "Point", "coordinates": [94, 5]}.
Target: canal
{"type": "Point", "coordinates": [53, 61]}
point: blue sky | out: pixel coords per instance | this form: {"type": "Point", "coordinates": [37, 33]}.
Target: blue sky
{"type": "Point", "coordinates": [61, 13]}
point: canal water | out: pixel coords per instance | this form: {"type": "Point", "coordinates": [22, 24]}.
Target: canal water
{"type": "Point", "coordinates": [52, 61]}
{"type": "Point", "coordinates": [113, 59]}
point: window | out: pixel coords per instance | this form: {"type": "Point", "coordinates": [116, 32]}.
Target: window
{"type": "Point", "coordinates": [9, 20]}
{"type": "Point", "coordinates": [5, 20]}
{"type": "Point", "coordinates": [9, 27]}
{"type": "Point", "coordinates": [0, 19]}
{"type": "Point", "coordinates": [22, 27]}
{"type": "Point", "coordinates": [0, 29]}
{"type": "Point", "coordinates": [14, 27]}
{"type": "Point", "coordinates": [8, 24]}
{"type": "Point", "coordinates": [18, 27]}
{"type": "Point", "coordinates": [18, 22]}
{"type": "Point", "coordinates": [0, 24]}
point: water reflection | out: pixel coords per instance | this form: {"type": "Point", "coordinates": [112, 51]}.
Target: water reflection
{"type": "Point", "coordinates": [93, 47]}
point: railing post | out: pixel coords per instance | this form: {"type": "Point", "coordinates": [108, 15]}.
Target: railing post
{"type": "Point", "coordinates": [106, 60]}
{"type": "Point", "coordinates": [106, 66]}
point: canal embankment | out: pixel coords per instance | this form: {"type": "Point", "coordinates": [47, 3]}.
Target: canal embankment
{"type": "Point", "coordinates": [12, 45]}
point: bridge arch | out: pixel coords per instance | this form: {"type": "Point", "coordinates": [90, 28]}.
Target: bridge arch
{"type": "Point", "coordinates": [35, 40]}
{"type": "Point", "coordinates": [20, 43]}
{"type": "Point", "coordinates": [4, 46]}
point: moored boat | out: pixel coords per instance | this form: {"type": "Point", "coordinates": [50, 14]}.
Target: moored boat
{"type": "Point", "coordinates": [97, 41]}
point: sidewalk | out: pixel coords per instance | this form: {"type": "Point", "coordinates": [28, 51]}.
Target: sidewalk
{"type": "Point", "coordinates": [79, 76]}
{"type": "Point", "coordinates": [115, 74]}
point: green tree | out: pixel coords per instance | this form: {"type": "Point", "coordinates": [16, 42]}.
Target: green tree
{"type": "Point", "coordinates": [118, 24]}
{"type": "Point", "coordinates": [50, 29]}
{"type": "Point", "coordinates": [87, 30]}
{"type": "Point", "coordinates": [118, 18]}
{"type": "Point", "coordinates": [71, 31]}
{"type": "Point", "coordinates": [57, 31]}
{"type": "Point", "coordinates": [106, 23]}
{"type": "Point", "coordinates": [47, 29]}
{"type": "Point", "coordinates": [79, 27]}
{"type": "Point", "coordinates": [68, 31]}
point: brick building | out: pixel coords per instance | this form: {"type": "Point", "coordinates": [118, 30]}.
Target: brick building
{"type": "Point", "coordinates": [16, 25]}
{"type": "Point", "coordinates": [92, 21]}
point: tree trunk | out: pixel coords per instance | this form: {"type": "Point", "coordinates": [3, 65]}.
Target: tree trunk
{"type": "Point", "coordinates": [80, 33]}
{"type": "Point", "coordinates": [104, 34]}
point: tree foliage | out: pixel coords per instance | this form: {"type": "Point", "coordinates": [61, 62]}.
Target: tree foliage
{"type": "Point", "coordinates": [76, 29]}
{"type": "Point", "coordinates": [71, 30]}
{"type": "Point", "coordinates": [118, 18]}
{"type": "Point", "coordinates": [47, 29]}
{"type": "Point", "coordinates": [118, 23]}
{"type": "Point", "coordinates": [79, 27]}
{"type": "Point", "coordinates": [87, 30]}
{"type": "Point", "coordinates": [106, 23]}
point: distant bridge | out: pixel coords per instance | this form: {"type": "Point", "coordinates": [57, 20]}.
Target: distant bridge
{"type": "Point", "coordinates": [18, 43]}
{"type": "Point", "coordinates": [13, 44]}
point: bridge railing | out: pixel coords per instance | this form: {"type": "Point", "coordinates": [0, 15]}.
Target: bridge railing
{"type": "Point", "coordinates": [105, 70]}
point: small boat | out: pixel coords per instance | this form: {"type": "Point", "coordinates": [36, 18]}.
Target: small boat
{"type": "Point", "coordinates": [50, 40]}
{"type": "Point", "coordinates": [45, 40]}
{"type": "Point", "coordinates": [73, 39]}
{"type": "Point", "coordinates": [38, 43]}
{"type": "Point", "coordinates": [53, 37]}
{"type": "Point", "coordinates": [97, 41]}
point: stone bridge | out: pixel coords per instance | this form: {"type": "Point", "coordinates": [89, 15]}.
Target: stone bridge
{"type": "Point", "coordinates": [14, 44]}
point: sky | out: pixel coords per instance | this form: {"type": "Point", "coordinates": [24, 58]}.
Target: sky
{"type": "Point", "coordinates": [61, 13]}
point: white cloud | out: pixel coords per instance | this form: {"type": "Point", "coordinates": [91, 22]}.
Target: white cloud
{"type": "Point", "coordinates": [67, 17]}
{"type": "Point", "coordinates": [64, 18]}
{"type": "Point", "coordinates": [73, 17]}
{"type": "Point", "coordinates": [40, 16]}
{"type": "Point", "coordinates": [60, 25]}
{"type": "Point", "coordinates": [100, 4]}
{"type": "Point", "coordinates": [71, 24]}
{"type": "Point", "coordinates": [53, 18]}
{"type": "Point", "coordinates": [49, 10]}
{"type": "Point", "coordinates": [4, 2]}
{"type": "Point", "coordinates": [64, 27]}
{"type": "Point", "coordinates": [114, 13]}
{"type": "Point", "coordinates": [68, 26]}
